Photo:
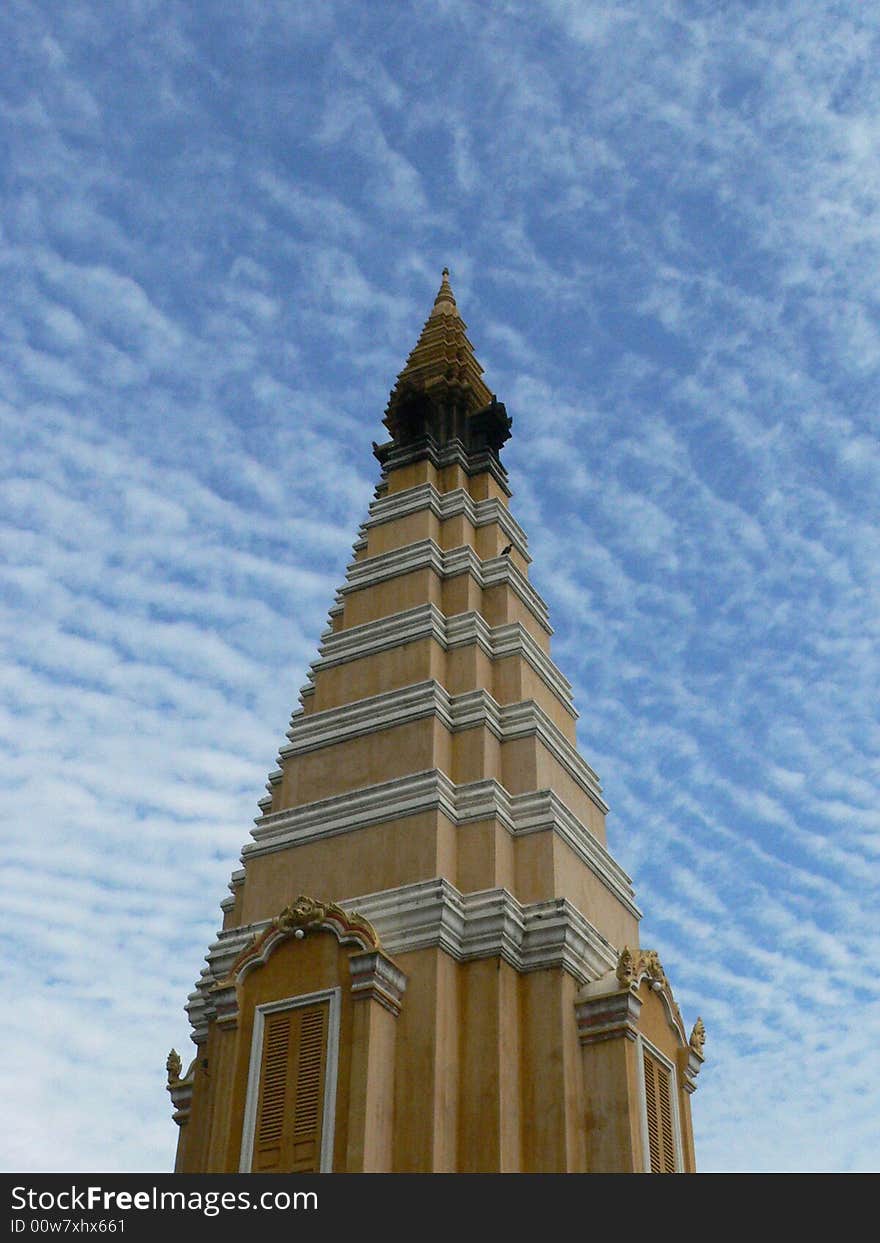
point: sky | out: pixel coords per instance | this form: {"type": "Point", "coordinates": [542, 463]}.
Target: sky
{"type": "Point", "coordinates": [221, 229]}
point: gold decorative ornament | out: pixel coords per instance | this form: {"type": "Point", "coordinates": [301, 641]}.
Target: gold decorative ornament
{"type": "Point", "coordinates": [698, 1037]}
{"type": "Point", "coordinates": [173, 1067]}
{"type": "Point", "coordinates": [306, 912]}
{"type": "Point", "coordinates": [300, 913]}
{"type": "Point", "coordinates": [303, 914]}
{"type": "Point", "coordinates": [626, 968]}
{"type": "Point", "coordinates": [632, 968]}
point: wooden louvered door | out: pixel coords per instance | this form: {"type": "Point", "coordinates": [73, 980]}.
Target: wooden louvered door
{"type": "Point", "coordinates": [658, 1101]}
{"type": "Point", "coordinates": [290, 1112]}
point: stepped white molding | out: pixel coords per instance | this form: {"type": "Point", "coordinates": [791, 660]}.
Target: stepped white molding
{"type": "Point", "coordinates": [460, 630]}
{"type": "Point", "coordinates": [452, 453]}
{"type": "Point", "coordinates": [427, 554]}
{"type": "Point", "coordinates": [444, 505]}
{"type": "Point", "coordinates": [312, 731]}
{"type": "Point", "coordinates": [531, 937]}
{"type": "Point", "coordinates": [536, 811]}
{"type": "Point", "coordinates": [236, 881]}
{"type": "Point", "coordinates": [492, 922]}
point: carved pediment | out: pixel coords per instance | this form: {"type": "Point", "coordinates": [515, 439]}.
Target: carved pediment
{"type": "Point", "coordinates": [303, 915]}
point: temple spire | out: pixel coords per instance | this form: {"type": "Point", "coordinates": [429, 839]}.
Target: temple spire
{"type": "Point", "coordinates": [429, 960]}
{"type": "Point", "coordinates": [440, 395]}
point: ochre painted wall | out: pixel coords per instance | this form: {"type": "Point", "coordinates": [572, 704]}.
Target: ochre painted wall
{"type": "Point", "coordinates": [481, 1064]}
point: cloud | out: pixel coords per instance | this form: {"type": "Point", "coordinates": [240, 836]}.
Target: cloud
{"type": "Point", "coordinates": [219, 238]}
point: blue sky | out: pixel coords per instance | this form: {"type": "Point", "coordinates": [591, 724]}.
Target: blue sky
{"type": "Point", "coordinates": [221, 229]}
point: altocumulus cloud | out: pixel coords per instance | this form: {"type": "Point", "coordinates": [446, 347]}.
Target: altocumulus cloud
{"type": "Point", "coordinates": [220, 229]}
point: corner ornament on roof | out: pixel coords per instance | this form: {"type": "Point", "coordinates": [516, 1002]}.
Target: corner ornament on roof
{"type": "Point", "coordinates": [180, 1088]}
{"type": "Point", "coordinates": [633, 968]}
{"type": "Point", "coordinates": [173, 1067]}
{"type": "Point", "coordinates": [698, 1037]}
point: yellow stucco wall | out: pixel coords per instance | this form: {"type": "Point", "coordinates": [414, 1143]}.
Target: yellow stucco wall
{"type": "Point", "coordinates": [483, 1069]}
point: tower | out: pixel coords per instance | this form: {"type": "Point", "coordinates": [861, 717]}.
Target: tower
{"type": "Point", "coordinates": [429, 959]}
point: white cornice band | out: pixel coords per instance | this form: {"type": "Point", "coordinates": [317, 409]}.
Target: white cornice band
{"type": "Point", "coordinates": [311, 731]}
{"type": "Point", "coordinates": [427, 554]}
{"type": "Point", "coordinates": [445, 505]}
{"type": "Point", "coordinates": [427, 621]}
{"type": "Point", "coordinates": [452, 453]}
{"type": "Point", "coordinates": [530, 937]}
{"type": "Point", "coordinates": [533, 812]}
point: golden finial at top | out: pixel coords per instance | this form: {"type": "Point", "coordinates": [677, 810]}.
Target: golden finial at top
{"type": "Point", "coordinates": [444, 293]}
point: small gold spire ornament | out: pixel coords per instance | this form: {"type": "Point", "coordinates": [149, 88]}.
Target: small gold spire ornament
{"type": "Point", "coordinates": [173, 1067]}
{"type": "Point", "coordinates": [626, 968]}
{"type": "Point", "coordinates": [698, 1037]}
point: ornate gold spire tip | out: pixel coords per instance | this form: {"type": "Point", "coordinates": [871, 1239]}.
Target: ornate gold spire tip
{"type": "Point", "coordinates": [445, 294]}
{"type": "Point", "coordinates": [440, 396]}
